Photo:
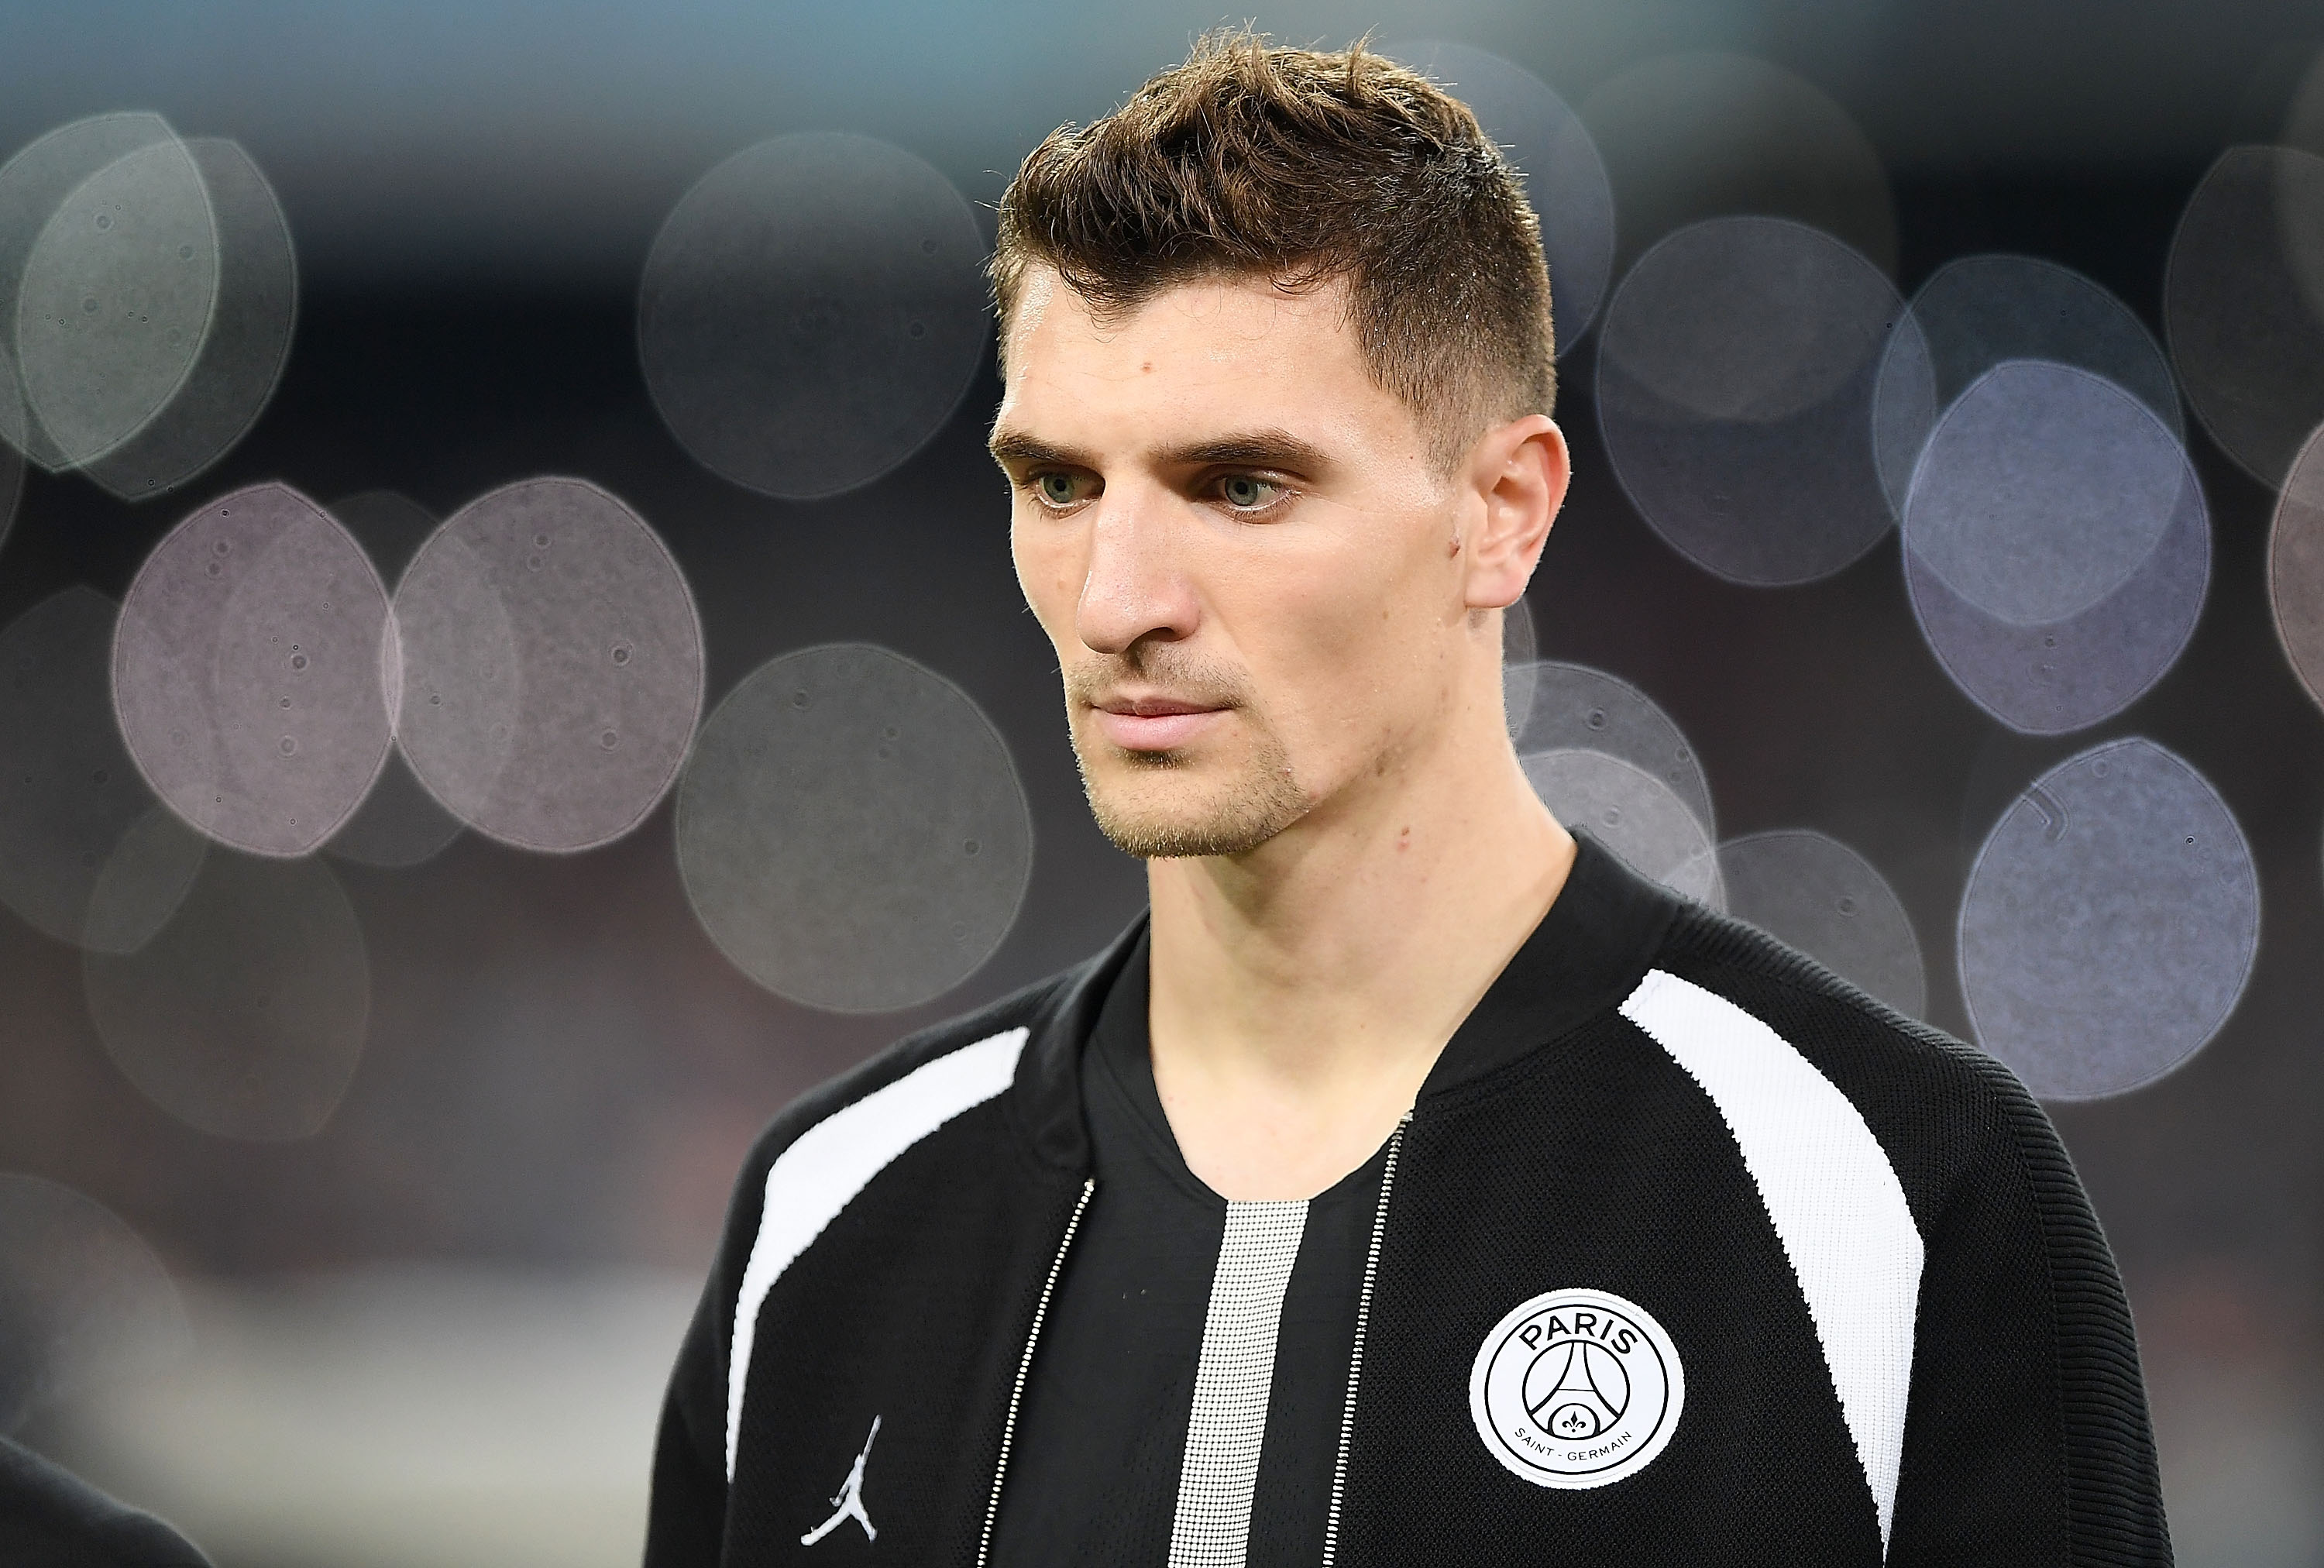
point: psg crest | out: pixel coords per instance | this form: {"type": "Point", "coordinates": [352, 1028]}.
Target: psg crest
{"type": "Point", "coordinates": [1576, 1388]}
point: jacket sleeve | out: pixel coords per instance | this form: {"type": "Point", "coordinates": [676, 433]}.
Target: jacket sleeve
{"type": "Point", "coordinates": [2026, 1440]}
{"type": "Point", "coordinates": [51, 1518]}
{"type": "Point", "coordinates": [686, 1522]}
{"type": "Point", "coordinates": [688, 1516]}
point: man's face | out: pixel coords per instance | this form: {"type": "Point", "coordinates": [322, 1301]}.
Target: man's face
{"type": "Point", "coordinates": [1238, 545]}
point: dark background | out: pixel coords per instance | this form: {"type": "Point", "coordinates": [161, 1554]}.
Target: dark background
{"type": "Point", "coordinates": [562, 1073]}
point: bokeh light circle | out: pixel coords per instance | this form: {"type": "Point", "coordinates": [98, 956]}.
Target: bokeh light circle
{"type": "Point", "coordinates": [1978, 312]}
{"type": "Point", "coordinates": [34, 182]}
{"type": "Point", "coordinates": [2042, 491]}
{"type": "Point", "coordinates": [12, 461]}
{"type": "Point", "coordinates": [1575, 707]}
{"type": "Point", "coordinates": [551, 662]}
{"type": "Point", "coordinates": [148, 290]}
{"type": "Point", "coordinates": [389, 526]}
{"type": "Point", "coordinates": [1812, 892]}
{"type": "Point", "coordinates": [142, 883]}
{"type": "Point", "coordinates": [399, 824]}
{"type": "Point", "coordinates": [1736, 372]}
{"type": "Point", "coordinates": [2303, 117]}
{"type": "Point", "coordinates": [1631, 812]}
{"type": "Point", "coordinates": [812, 312]}
{"type": "Point", "coordinates": [1704, 134]}
{"type": "Point", "coordinates": [234, 377]}
{"type": "Point", "coordinates": [2047, 678]}
{"type": "Point", "coordinates": [2295, 566]}
{"type": "Point", "coordinates": [2243, 304]}
{"type": "Point", "coordinates": [116, 300]}
{"type": "Point", "coordinates": [852, 830]}
{"type": "Point", "coordinates": [246, 671]}
{"type": "Point", "coordinates": [83, 1301]}
{"type": "Point", "coordinates": [245, 1016]}
{"type": "Point", "coordinates": [1722, 320]}
{"type": "Point", "coordinates": [2110, 924]}
{"type": "Point", "coordinates": [69, 791]}
{"type": "Point", "coordinates": [1564, 179]}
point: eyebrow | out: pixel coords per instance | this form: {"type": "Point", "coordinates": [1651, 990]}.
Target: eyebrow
{"type": "Point", "coordinates": [1017, 447]}
{"type": "Point", "coordinates": [1266, 449]}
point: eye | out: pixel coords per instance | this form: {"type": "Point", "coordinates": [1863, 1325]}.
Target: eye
{"type": "Point", "coordinates": [1249, 492]}
{"type": "Point", "coordinates": [1056, 488]}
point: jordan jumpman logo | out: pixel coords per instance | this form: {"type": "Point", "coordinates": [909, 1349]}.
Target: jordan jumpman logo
{"type": "Point", "coordinates": [849, 1501]}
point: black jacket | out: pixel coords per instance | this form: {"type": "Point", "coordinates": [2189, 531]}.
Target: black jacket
{"type": "Point", "coordinates": [1877, 1317]}
{"type": "Point", "coordinates": [51, 1518]}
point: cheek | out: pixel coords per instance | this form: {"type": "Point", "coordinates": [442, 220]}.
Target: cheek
{"type": "Point", "coordinates": [1349, 630]}
{"type": "Point", "coordinates": [1381, 594]}
{"type": "Point", "coordinates": [1048, 572]}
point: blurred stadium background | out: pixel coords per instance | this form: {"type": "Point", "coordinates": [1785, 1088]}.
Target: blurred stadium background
{"type": "Point", "coordinates": [1943, 586]}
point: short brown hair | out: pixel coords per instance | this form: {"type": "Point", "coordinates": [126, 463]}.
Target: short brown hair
{"type": "Point", "coordinates": [1304, 167]}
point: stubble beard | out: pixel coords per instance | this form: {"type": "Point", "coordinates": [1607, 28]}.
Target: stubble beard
{"type": "Point", "coordinates": [1241, 812]}
{"type": "Point", "coordinates": [1246, 812]}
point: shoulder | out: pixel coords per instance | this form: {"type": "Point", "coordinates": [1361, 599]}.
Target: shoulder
{"type": "Point", "coordinates": [1026, 1044]}
{"type": "Point", "coordinates": [50, 1515]}
{"type": "Point", "coordinates": [1943, 1112]}
{"type": "Point", "coordinates": [954, 1065]}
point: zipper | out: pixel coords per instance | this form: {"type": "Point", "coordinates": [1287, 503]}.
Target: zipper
{"type": "Point", "coordinates": [1025, 1363]}
{"type": "Point", "coordinates": [1356, 1352]}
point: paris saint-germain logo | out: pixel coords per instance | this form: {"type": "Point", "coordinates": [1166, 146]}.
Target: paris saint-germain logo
{"type": "Point", "coordinates": [1576, 1388]}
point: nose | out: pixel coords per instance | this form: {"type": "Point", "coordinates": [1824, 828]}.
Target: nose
{"type": "Point", "coordinates": [1136, 585]}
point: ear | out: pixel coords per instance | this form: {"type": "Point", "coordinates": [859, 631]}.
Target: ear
{"type": "Point", "coordinates": [1517, 475]}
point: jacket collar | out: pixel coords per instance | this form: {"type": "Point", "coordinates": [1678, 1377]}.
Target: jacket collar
{"type": "Point", "coordinates": [1591, 949]}
{"type": "Point", "coordinates": [1587, 954]}
{"type": "Point", "coordinates": [1046, 1098]}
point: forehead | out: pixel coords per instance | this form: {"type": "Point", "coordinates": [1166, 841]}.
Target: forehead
{"type": "Point", "coordinates": [1199, 357]}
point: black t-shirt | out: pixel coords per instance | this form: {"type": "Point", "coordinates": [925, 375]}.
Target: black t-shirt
{"type": "Point", "coordinates": [1107, 1435]}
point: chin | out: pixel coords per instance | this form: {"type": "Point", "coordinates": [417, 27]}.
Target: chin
{"type": "Point", "coordinates": [1158, 808]}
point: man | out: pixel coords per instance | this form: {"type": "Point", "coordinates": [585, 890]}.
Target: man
{"type": "Point", "coordinates": [1416, 1183]}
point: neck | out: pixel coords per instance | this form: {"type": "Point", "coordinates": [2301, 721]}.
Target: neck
{"type": "Point", "coordinates": [1301, 992]}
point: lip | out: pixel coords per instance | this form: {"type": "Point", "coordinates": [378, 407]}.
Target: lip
{"type": "Point", "coordinates": [1153, 724]}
